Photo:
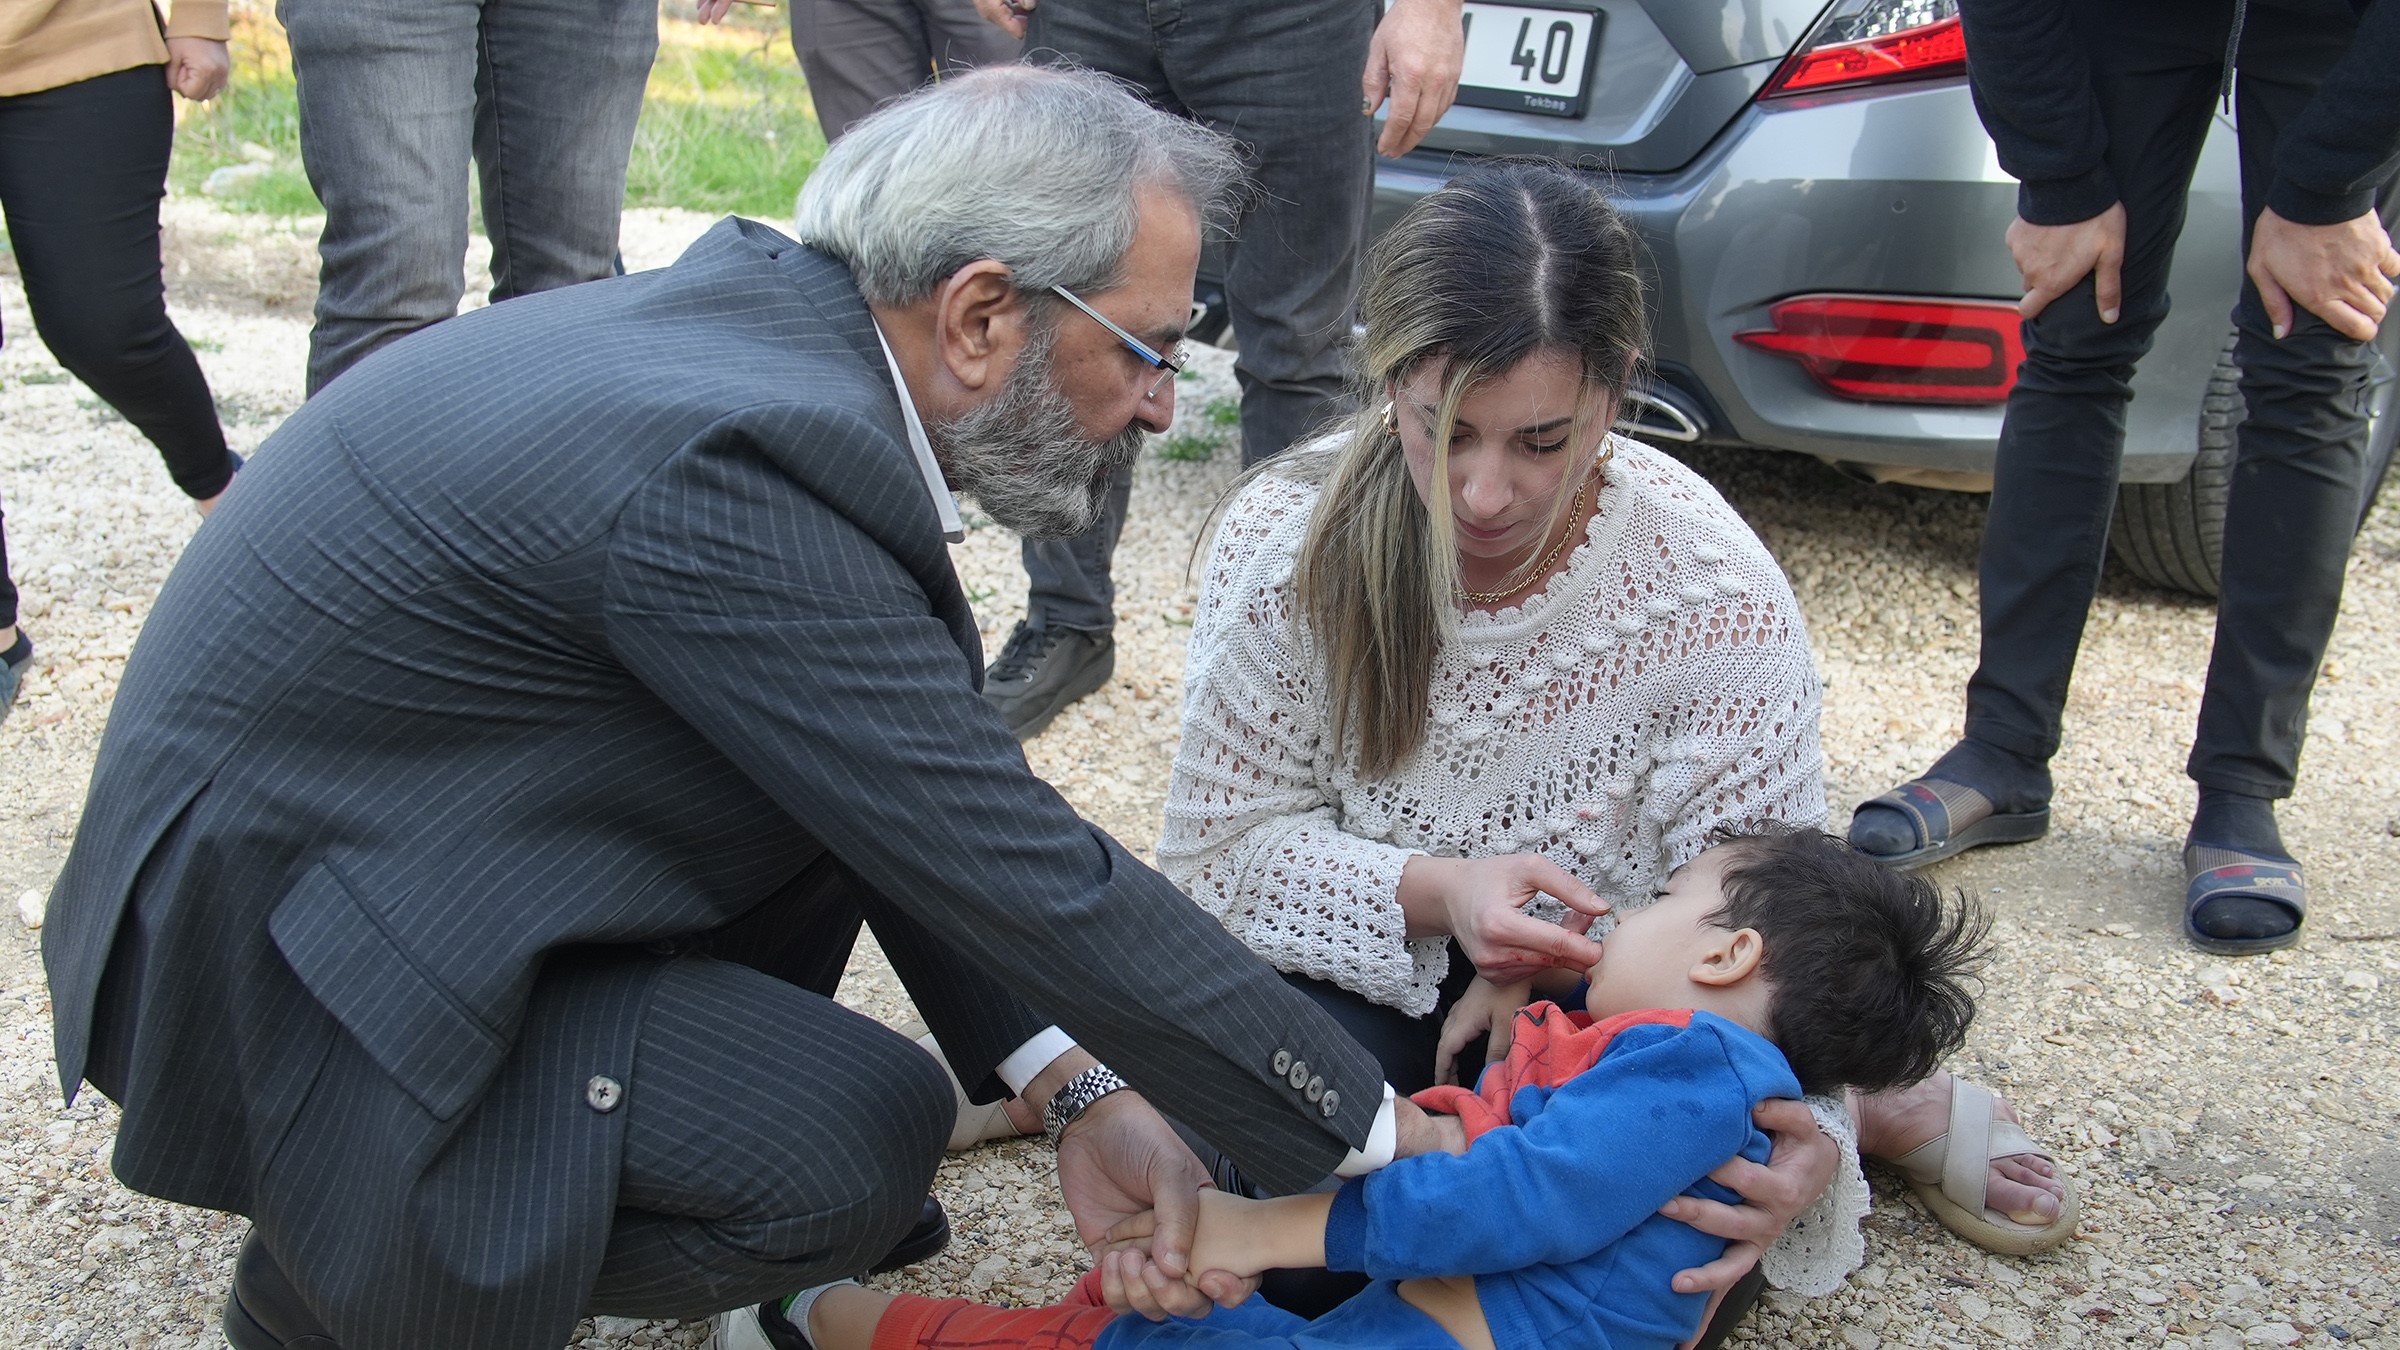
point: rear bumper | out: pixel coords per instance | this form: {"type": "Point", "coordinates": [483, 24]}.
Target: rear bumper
{"type": "Point", "coordinates": [1894, 192]}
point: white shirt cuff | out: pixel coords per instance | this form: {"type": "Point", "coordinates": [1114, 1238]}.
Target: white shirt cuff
{"type": "Point", "coordinates": [1382, 1141]}
{"type": "Point", "coordinates": [1032, 1057]}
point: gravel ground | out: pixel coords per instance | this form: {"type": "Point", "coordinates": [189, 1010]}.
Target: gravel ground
{"type": "Point", "coordinates": [2235, 1125]}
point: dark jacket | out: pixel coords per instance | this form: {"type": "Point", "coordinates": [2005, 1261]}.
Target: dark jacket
{"type": "Point", "coordinates": [2033, 89]}
{"type": "Point", "coordinates": [585, 621]}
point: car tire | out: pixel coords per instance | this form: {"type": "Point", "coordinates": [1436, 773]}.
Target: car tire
{"type": "Point", "coordinates": [2173, 534]}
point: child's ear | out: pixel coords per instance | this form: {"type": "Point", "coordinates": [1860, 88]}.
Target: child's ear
{"type": "Point", "coordinates": [1733, 957]}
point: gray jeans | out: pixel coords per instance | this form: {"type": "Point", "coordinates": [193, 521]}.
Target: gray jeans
{"type": "Point", "coordinates": [1282, 76]}
{"type": "Point", "coordinates": [859, 53]}
{"type": "Point", "coordinates": [396, 96]}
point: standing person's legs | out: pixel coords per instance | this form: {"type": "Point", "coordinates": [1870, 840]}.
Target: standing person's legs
{"type": "Point", "coordinates": [2055, 481]}
{"type": "Point", "coordinates": [1284, 80]}
{"type": "Point", "coordinates": [83, 168]}
{"type": "Point", "coordinates": [856, 54]}
{"type": "Point", "coordinates": [558, 91]}
{"type": "Point", "coordinates": [2291, 514]}
{"type": "Point", "coordinates": [1066, 646]}
{"type": "Point", "coordinates": [387, 121]}
{"type": "Point", "coordinates": [959, 38]}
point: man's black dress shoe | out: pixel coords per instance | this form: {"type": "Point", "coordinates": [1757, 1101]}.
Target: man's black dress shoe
{"type": "Point", "coordinates": [929, 1235]}
{"type": "Point", "coordinates": [264, 1311]}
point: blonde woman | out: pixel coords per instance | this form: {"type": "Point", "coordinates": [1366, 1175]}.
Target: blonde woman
{"type": "Point", "coordinates": [1476, 655]}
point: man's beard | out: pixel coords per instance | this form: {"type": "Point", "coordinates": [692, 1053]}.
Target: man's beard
{"type": "Point", "coordinates": [1023, 459]}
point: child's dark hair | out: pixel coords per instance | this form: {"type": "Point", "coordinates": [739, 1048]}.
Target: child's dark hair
{"type": "Point", "coordinates": [1869, 966]}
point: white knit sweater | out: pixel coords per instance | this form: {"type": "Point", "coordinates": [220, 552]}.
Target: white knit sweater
{"type": "Point", "coordinates": [1659, 687]}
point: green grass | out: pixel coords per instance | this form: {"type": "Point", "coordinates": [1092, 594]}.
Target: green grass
{"type": "Point", "coordinates": [1184, 447]}
{"type": "Point", "coordinates": [726, 123]}
{"type": "Point", "coordinates": [256, 120]}
{"type": "Point", "coordinates": [1204, 433]}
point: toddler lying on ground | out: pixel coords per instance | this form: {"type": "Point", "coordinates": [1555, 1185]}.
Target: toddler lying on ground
{"type": "Point", "coordinates": [1772, 963]}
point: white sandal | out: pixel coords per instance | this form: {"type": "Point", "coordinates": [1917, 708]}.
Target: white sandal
{"type": "Point", "coordinates": [1950, 1171]}
{"type": "Point", "coordinates": [976, 1123]}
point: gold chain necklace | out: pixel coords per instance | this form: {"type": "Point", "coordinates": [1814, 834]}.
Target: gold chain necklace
{"type": "Point", "coordinates": [1574, 514]}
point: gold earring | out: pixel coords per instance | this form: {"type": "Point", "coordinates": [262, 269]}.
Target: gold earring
{"type": "Point", "coordinates": [1391, 420]}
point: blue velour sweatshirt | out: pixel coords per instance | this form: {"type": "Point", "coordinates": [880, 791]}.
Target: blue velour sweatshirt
{"type": "Point", "coordinates": [1556, 1212]}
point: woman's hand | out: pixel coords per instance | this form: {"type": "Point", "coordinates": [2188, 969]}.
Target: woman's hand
{"type": "Point", "coordinates": [1795, 1174]}
{"type": "Point", "coordinates": [1481, 902]}
{"type": "Point", "coordinates": [197, 68]}
{"type": "Point", "coordinates": [1485, 1007]}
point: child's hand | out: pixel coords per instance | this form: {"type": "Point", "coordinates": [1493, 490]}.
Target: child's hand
{"type": "Point", "coordinates": [1220, 1267]}
{"type": "Point", "coordinates": [1485, 1007]}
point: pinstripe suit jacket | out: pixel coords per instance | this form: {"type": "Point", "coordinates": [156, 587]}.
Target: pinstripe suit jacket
{"type": "Point", "coordinates": [587, 620]}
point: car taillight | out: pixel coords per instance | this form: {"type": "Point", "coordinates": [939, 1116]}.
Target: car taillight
{"type": "Point", "coordinates": [1898, 351]}
{"type": "Point", "coordinates": [1872, 41]}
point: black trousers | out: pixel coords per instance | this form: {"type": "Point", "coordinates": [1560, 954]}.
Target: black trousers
{"type": "Point", "coordinates": [82, 170]}
{"type": "Point", "coordinates": [2300, 457]}
{"type": "Point", "coordinates": [777, 1139]}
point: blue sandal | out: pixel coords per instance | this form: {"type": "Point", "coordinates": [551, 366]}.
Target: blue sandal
{"type": "Point", "coordinates": [1950, 818]}
{"type": "Point", "coordinates": [12, 668]}
{"type": "Point", "coordinates": [2214, 873]}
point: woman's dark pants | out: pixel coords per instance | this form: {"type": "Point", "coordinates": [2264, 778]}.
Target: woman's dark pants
{"type": "Point", "coordinates": [83, 168]}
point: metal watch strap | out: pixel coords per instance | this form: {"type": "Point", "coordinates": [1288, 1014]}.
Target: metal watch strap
{"type": "Point", "coordinates": [1077, 1097]}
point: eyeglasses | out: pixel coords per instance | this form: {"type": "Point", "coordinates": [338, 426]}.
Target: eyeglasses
{"type": "Point", "coordinates": [1168, 367]}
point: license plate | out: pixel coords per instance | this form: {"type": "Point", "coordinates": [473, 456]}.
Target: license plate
{"type": "Point", "coordinates": [1529, 58]}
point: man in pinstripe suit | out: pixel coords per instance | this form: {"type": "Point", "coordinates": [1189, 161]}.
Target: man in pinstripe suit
{"type": "Point", "coordinates": [504, 774]}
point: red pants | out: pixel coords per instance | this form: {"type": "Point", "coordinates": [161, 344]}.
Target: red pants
{"type": "Point", "coordinates": [914, 1323]}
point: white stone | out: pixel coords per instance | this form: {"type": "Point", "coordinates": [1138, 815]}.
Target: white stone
{"type": "Point", "coordinates": [2273, 1333]}
{"type": "Point", "coordinates": [1974, 1306]}
{"type": "Point", "coordinates": [2258, 1181]}
{"type": "Point", "coordinates": [2013, 1327]}
{"type": "Point", "coordinates": [32, 907]}
{"type": "Point", "coordinates": [1859, 1338]}
{"type": "Point", "coordinates": [2364, 981]}
{"type": "Point", "coordinates": [987, 1272]}
{"type": "Point", "coordinates": [232, 178]}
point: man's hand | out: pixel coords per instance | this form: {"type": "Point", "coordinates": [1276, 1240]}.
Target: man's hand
{"type": "Point", "coordinates": [1795, 1174]}
{"type": "Point", "coordinates": [2340, 273]}
{"type": "Point", "coordinates": [1416, 1130]}
{"type": "Point", "coordinates": [1120, 1158]}
{"type": "Point", "coordinates": [2053, 259]}
{"type": "Point", "coordinates": [197, 67]}
{"type": "Point", "coordinates": [1008, 14]}
{"type": "Point", "coordinates": [1414, 61]}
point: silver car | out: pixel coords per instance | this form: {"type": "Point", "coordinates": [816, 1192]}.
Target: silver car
{"type": "Point", "coordinates": [1826, 216]}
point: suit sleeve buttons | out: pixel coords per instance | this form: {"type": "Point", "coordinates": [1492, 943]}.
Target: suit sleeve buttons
{"type": "Point", "coordinates": [603, 1093]}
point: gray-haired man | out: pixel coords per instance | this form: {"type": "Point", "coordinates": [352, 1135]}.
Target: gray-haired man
{"type": "Point", "coordinates": [505, 773]}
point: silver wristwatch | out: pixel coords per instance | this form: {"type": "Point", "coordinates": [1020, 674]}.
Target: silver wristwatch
{"type": "Point", "coordinates": [1077, 1097]}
